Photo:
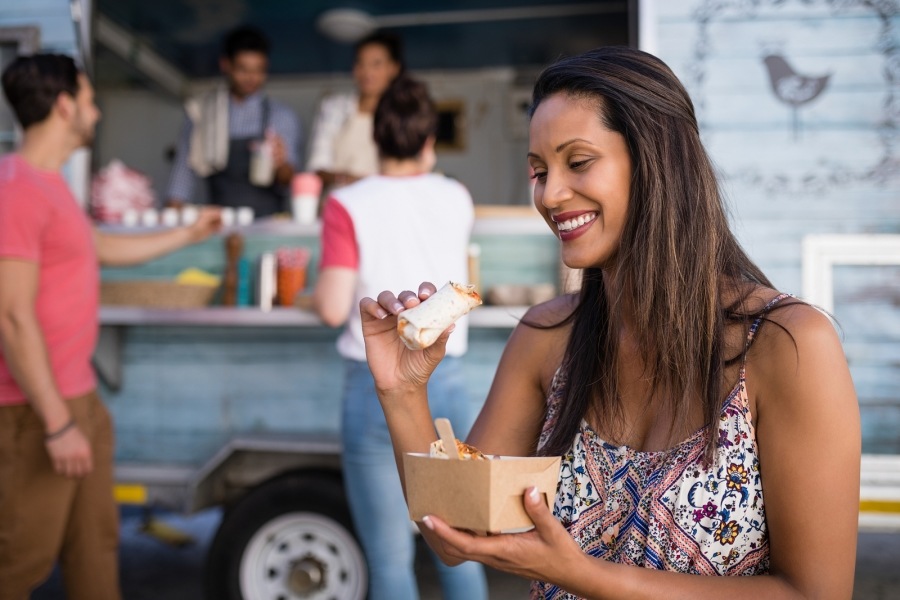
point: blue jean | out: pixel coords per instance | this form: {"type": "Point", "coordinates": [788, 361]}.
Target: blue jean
{"type": "Point", "coordinates": [373, 485]}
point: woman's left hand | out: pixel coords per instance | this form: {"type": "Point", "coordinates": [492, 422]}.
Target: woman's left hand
{"type": "Point", "coordinates": [395, 367]}
{"type": "Point", "coordinates": [546, 553]}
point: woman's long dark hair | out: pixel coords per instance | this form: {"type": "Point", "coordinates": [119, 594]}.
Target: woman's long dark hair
{"type": "Point", "coordinates": [675, 260]}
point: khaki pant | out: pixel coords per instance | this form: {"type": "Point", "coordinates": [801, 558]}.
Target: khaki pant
{"type": "Point", "coordinates": [45, 516]}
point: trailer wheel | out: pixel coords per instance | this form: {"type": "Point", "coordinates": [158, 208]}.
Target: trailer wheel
{"type": "Point", "coordinates": [290, 538]}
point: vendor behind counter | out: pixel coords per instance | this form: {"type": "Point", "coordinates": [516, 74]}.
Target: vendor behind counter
{"type": "Point", "coordinates": [239, 141]}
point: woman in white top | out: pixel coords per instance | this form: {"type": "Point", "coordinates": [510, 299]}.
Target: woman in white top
{"type": "Point", "coordinates": [367, 230]}
{"type": "Point", "coordinates": [342, 149]}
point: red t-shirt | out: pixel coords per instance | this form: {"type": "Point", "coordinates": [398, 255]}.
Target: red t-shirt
{"type": "Point", "coordinates": [41, 222]}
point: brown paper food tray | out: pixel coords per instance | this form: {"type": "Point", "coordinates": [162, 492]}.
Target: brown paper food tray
{"type": "Point", "coordinates": [481, 495]}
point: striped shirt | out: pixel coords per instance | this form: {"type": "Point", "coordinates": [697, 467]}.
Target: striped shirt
{"type": "Point", "coordinates": [244, 121]}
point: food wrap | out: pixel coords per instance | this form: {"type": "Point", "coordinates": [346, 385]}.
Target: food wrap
{"type": "Point", "coordinates": [464, 450]}
{"type": "Point", "coordinates": [420, 326]}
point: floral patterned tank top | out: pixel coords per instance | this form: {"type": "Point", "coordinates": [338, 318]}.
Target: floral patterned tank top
{"type": "Point", "coordinates": [665, 510]}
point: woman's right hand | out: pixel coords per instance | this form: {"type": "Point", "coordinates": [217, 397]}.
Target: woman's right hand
{"type": "Point", "coordinates": [395, 367]}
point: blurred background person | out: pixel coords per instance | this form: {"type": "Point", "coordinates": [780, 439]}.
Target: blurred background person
{"type": "Point", "coordinates": [56, 439]}
{"type": "Point", "coordinates": [225, 126]}
{"type": "Point", "coordinates": [368, 228]}
{"type": "Point", "coordinates": [342, 149]}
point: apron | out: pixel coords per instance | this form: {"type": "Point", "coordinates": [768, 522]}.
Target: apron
{"type": "Point", "coordinates": [232, 187]}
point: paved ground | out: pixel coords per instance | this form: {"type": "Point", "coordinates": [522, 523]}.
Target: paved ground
{"type": "Point", "coordinates": [152, 570]}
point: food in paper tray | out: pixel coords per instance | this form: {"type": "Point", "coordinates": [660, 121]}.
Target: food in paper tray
{"type": "Point", "coordinates": [464, 450]}
{"type": "Point", "coordinates": [471, 490]}
{"type": "Point", "coordinates": [480, 495]}
{"type": "Point", "coordinates": [420, 326]}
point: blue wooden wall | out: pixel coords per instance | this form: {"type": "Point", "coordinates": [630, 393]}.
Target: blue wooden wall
{"type": "Point", "coordinates": [186, 391]}
{"type": "Point", "coordinates": [829, 165]}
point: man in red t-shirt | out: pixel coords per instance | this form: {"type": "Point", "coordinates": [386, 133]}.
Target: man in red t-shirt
{"type": "Point", "coordinates": [56, 444]}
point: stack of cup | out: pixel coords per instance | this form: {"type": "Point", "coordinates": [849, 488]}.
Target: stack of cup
{"type": "Point", "coordinates": [291, 273]}
{"type": "Point", "coordinates": [305, 190]}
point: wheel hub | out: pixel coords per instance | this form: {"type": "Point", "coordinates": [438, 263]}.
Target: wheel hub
{"type": "Point", "coordinates": [307, 575]}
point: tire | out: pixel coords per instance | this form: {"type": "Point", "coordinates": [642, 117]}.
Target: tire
{"type": "Point", "coordinates": [288, 538]}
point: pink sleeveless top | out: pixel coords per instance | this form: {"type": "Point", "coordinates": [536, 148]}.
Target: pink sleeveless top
{"type": "Point", "coordinates": [665, 510]}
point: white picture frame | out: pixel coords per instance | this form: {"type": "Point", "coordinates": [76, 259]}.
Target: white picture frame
{"type": "Point", "coordinates": [821, 252]}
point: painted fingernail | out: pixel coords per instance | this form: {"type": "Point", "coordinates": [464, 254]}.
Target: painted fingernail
{"type": "Point", "coordinates": [427, 521]}
{"type": "Point", "coordinates": [533, 494]}
{"type": "Point", "coordinates": [397, 306]}
{"type": "Point", "coordinates": [424, 293]}
{"type": "Point", "coordinates": [382, 313]}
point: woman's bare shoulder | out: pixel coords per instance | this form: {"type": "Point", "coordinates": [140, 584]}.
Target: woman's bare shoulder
{"type": "Point", "coordinates": [796, 345]}
{"type": "Point", "coordinates": [792, 324]}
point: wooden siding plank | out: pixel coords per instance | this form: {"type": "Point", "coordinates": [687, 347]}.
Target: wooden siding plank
{"type": "Point", "coordinates": [676, 11]}
{"type": "Point", "coordinates": [798, 36]}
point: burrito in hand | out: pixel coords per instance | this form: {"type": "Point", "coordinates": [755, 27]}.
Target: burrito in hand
{"type": "Point", "coordinates": [420, 326]}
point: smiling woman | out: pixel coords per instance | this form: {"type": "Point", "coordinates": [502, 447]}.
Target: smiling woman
{"type": "Point", "coordinates": [692, 404]}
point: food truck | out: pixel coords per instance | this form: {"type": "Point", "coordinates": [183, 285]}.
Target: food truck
{"type": "Point", "coordinates": [238, 406]}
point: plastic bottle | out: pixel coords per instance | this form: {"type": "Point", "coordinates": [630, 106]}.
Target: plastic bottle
{"type": "Point", "coordinates": [262, 164]}
{"type": "Point", "coordinates": [266, 282]}
{"type": "Point", "coordinates": [234, 247]}
{"type": "Point", "coordinates": [244, 295]}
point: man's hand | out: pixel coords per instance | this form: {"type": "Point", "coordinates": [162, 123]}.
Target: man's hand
{"type": "Point", "coordinates": [209, 221]}
{"type": "Point", "coordinates": [70, 454]}
{"type": "Point", "coordinates": [284, 171]}
{"type": "Point", "coordinates": [279, 152]}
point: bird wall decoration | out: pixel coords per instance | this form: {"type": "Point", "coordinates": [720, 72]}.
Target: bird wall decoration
{"type": "Point", "coordinates": [792, 88]}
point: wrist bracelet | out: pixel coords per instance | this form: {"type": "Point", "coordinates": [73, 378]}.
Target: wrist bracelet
{"type": "Point", "coordinates": [60, 431]}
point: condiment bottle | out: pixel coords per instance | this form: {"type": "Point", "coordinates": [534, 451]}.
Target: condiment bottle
{"type": "Point", "coordinates": [234, 247]}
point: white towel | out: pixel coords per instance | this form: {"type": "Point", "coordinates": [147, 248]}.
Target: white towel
{"type": "Point", "coordinates": [208, 113]}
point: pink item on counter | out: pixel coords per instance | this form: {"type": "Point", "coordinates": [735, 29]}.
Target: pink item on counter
{"type": "Point", "coordinates": [304, 184]}
{"type": "Point", "coordinates": [117, 189]}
